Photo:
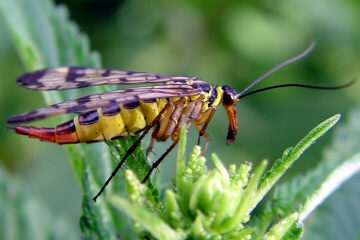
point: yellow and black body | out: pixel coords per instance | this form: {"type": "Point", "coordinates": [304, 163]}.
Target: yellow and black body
{"type": "Point", "coordinates": [163, 103]}
{"type": "Point", "coordinates": [119, 120]}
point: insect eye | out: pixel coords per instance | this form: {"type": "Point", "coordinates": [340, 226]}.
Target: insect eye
{"type": "Point", "coordinates": [228, 90]}
{"type": "Point", "coordinates": [228, 98]}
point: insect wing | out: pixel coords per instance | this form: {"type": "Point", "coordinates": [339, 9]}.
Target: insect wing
{"type": "Point", "coordinates": [106, 99]}
{"type": "Point", "coordinates": [78, 77]}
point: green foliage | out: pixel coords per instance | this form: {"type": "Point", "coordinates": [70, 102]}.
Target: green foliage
{"type": "Point", "coordinates": [204, 203]}
{"type": "Point", "coordinates": [45, 37]}
{"type": "Point", "coordinates": [217, 203]}
{"type": "Point", "coordinates": [344, 202]}
{"type": "Point", "coordinates": [137, 162]}
{"type": "Point", "coordinates": [339, 215]}
{"type": "Point", "coordinates": [281, 228]}
{"type": "Point", "coordinates": [305, 192]}
{"type": "Point", "coordinates": [23, 217]}
{"type": "Point", "coordinates": [292, 154]}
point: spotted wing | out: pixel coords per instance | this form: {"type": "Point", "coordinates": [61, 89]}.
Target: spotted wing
{"type": "Point", "coordinates": [124, 96]}
{"type": "Point", "coordinates": [78, 77]}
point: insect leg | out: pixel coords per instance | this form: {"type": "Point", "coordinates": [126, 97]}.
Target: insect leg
{"type": "Point", "coordinates": [212, 111]}
{"type": "Point", "coordinates": [155, 164]}
{"type": "Point", "coordinates": [207, 120]}
{"type": "Point", "coordinates": [131, 150]}
{"type": "Point", "coordinates": [132, 154]}
{"type": "Point", "coordinates": [150, 147]}
{"type": "Point", "coordinates": [174, 118]}
{"type": "Point", "coordinates": [163, 123]}
{"type": "Point", "coordinates": [184, 119]}
{"type": "Point", "coordinates": [207, 139]}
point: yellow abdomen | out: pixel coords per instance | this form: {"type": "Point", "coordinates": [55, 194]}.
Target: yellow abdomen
{"type": "Point", "coordinates": [116, 120]}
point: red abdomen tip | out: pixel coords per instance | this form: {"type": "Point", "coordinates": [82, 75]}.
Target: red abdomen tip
{"type": "Point", "coordinates": [22, 130]}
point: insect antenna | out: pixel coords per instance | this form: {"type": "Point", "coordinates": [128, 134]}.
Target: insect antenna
{"type": "Point", "coordinates": [281, 65]}
{"type": "Point", "coordinates": [299, 85]}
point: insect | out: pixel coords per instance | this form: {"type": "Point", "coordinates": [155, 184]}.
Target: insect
{"type": "Point", "coordinates": [164, 104]}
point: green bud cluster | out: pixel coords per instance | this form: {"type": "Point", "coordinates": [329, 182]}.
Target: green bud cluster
{"type": "Point", "coordinates": [205, 204]}
{"type": "Point", "coordinates": [216, 203]}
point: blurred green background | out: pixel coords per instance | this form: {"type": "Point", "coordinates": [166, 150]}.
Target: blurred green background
{"type": "Point", "coordinates": [223, 42]}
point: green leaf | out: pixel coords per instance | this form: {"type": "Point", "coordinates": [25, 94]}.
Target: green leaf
{"type": "Point", "coordinates": [91, 226]}
{"type": "Point", "coordinates": [173, 214]}
{"type": "Point", "coordinates": [337, 177]}
{"type": "Point", "coordinates": [99, 221]}
{"type": "Point", "coordinates": [294, 233]}
{"type": "Point", "coordinates": [151, 222]}
{"type": "Point", "coordinates": [286, 197]}
{"type": "Point", "coordinates": [305, 193]}
{"type": "Point", "coordinates": [292, 154]}
{"type": "Point", "coordinates": [216, 203]}
{"type": "Point", "coordinates": [278, 230]}
{"type": "Point", "coordinates": [246, 205]}
{"type": "Point", "coordinates": [45, 37]}
{"type": "Point", "coordinates": [136, 162]}
{"type": "Point", "coordinates": [338, 217]}
{"type": "Point", "coordinates": [24, 217]}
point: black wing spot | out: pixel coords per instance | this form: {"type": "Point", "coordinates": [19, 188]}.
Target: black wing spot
{"type": "Point", "coordinates": [77, 108]}
{"type": "Point", "coordinates": [106, 73]}
{"type": "Point", "coordinates": [31, 78]}
{"type": "Point", "coordinates": [84, 100]}
{"type": "Point", "coordinates": [73, 74]}
{"type": "Point", "coordinates": [131, 73]}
